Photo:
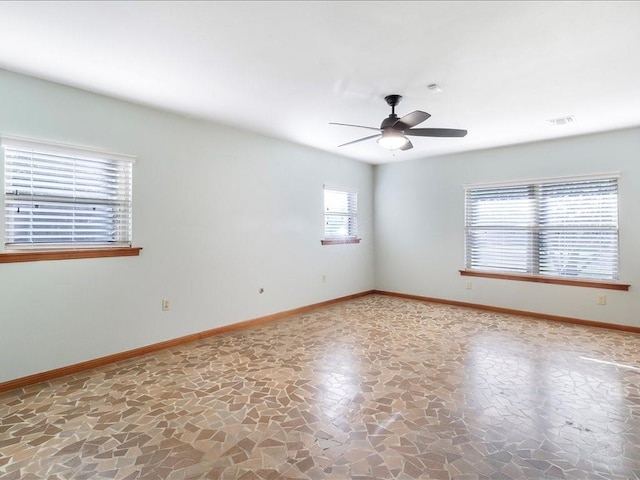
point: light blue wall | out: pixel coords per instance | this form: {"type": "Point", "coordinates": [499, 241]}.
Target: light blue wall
{"type": "Point", "coordinates": [419, 218]}
{"type": "Point", "coordinates": [219, 213]}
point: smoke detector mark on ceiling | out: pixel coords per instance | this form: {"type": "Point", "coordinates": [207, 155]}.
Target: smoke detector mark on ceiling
{"type": "Point", "coordinates": [562, 120]}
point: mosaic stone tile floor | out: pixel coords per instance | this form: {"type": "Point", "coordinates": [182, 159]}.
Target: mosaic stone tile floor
{"type": "Point", "coordinates": [374, 388]}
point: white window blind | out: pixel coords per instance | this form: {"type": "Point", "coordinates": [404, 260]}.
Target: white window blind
{"type": "Point", "coordinates": [65, 197]}
{"type": "Point", "coordinates": [340, 213]}
{"type": "Point", "coordinates": [560, 228]}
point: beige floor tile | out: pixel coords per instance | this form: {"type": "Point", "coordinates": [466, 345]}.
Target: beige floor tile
{"type": "Point", "coordinates": [374, 388]}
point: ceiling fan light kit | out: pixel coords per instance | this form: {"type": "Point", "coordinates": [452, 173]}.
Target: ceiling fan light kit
{"type": "Point", "coordinates": [392, 139]}
{"type": "Point", "coordinates": [393, 130]}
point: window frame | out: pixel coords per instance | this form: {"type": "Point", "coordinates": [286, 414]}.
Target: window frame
{"type": "Point", "coordinates": [351, 212]}
{"type": "Point", "coordinates": [35, 251]}
{"type": "Point", "coordinates": [537, 230]}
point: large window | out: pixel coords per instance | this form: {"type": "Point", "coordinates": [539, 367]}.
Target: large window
{"type": "Point", "coordinates": [61, 197]}
{"type": "Point", "coordinates": [563, 228]}
{"type": "Point", "coordinates": [340, 216]}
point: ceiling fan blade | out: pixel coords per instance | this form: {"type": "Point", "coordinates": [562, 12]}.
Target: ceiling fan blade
{"type": "Point", "coordinates": [359, 140]}
{"type": "Point", "coordinates": [411, 120]}
{"type": "Point", "coordinates": [435, 132]}
{"type": "Point", "coordinates": [350, 125]}
{"type": "Point", "coordinates": [407, 146]}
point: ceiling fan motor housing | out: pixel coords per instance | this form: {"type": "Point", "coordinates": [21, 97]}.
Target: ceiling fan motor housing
{"type": "Point", "coordinates": [389, 122]}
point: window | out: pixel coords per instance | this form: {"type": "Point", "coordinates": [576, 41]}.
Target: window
{"type": "Point", "coordinates": [565, 228]}
{"type": "Point", "coordinates": [340, 216]}
{"type": "Point", "coordinates": [61, 197]}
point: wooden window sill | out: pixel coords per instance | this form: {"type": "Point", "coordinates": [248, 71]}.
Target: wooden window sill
{"type": "Point", "coordinates": [39, 255]}
{"type": "Point", "coordinates": [339, 241]}
{"type": "Point", "coordinates": [542, 279]}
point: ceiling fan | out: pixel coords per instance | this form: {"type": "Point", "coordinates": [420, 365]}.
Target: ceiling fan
{"type": "Point", "coordinates": [393, 131]}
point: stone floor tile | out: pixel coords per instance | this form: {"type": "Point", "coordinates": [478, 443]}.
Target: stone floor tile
{"type": "Point", "coordinates": [373, 388]}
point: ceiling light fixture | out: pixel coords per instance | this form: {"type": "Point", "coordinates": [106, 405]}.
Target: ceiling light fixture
{"type": "Point", "coordinates": [392, 139]}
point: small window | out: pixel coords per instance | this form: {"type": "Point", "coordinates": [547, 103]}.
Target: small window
{"type": "Point", "coordinates": [59, 197]}
{"type": "Point", "coordinates": [564, 228]}
{"type": "Point", "coordinates": [340, 216]}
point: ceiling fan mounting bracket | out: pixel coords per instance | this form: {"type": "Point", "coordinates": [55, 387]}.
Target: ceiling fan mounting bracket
{"type": "Point", "coordinates": [393, 100]}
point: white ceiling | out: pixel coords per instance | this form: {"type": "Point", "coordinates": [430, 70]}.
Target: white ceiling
{"type": "Point", "coordinates": [286, 69]}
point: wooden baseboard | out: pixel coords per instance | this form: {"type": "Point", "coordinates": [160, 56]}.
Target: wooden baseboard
{"type": "Point", "coordinates": [511, 311]}
{"type": "Point", "coordinates": [136, 352]}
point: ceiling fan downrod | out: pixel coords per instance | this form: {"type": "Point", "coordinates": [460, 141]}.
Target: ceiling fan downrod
{"type": "Point", "coordinates": [392, 101]}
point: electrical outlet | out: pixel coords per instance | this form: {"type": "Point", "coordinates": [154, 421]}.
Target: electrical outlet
{"type": "Point", "coordinates": [602, 299]}
{"type": "Point", "coordinates": [324, 279]}
{"type": "Point", "coordinates": [165, 304]}
{"type": "Point", "coordinates": [467, 285]}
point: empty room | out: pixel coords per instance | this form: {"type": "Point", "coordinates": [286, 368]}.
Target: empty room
{"type": "Point", "coordinates": [319, 240]}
